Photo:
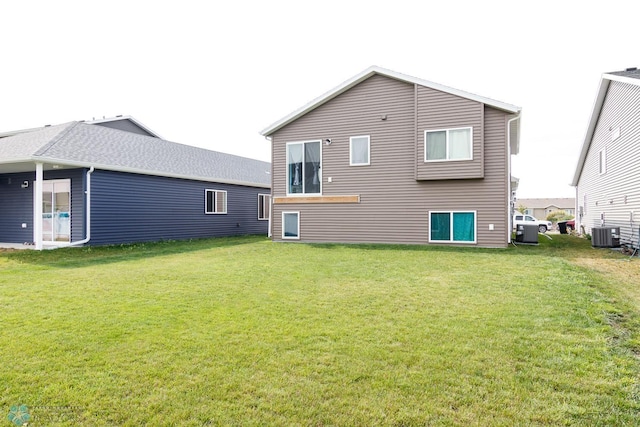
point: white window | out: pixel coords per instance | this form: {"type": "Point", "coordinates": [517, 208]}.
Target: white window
{"type": "Point", "coordinates": [602, 161]}
{"type": "Point", "coordinates": [264, 206]}
{"type": "Point", "coordinates": [303, 167]}
{"type": "Point", "coordinates": [359, 147]}
{"type": "Point", "coordinates": [290, 225]}
{"type": "Point", "coordinates": [453, 227]}
{"type": "Point", "coordinates": [448, 144]}
{"type": "Point", "coordinates": [215, 201]}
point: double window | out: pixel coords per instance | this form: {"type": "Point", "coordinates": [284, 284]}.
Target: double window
{"type": "Point", "coordinates": [303, 167]}
{"type": "Point", "coordinates": [215, 201]}
{"type": "Point", "coordinates": [448, 144]}
{"type": "Point", "coordinates": [455, 226]}
{"type": "Point", "coordinates": [359, 147]}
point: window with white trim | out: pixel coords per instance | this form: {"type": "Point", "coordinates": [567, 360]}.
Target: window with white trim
{"type": "Point", "coordinates": [359, 147]}
{"type": "Point", "coordinates": [290, 225]}
{"type": "Point", "coordinates": [448, 144]}
{"type": "Point", "coordinates": [452, 226]}
{"type": "Point", "coordinates": [215, 201]}
{"type": "Point", "coordinates": [602, 161]}
{"type": "Point", "coordinates": [303, 167]}
{"type": "Point", "coordinates": [264, 206]}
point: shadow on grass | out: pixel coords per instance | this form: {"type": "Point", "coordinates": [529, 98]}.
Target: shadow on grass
{"type": "Point", "coordinates": [565, 246]}
{"type": "Point", "coordinates": [96, 255]}
{"type": "Point", "coordinates": [560, 245]}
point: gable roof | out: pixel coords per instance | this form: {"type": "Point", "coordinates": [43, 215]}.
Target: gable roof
{"type": "Point", "coordinates": [369, 72]}
{"type": "Point", "coordinates": [630, 76]}
{"type": "Point", "coordinates": [127, 123]}
{"type": "Point", "coordinates": [78, 144]}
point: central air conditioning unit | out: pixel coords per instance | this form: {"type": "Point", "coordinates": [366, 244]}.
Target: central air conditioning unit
{"type": "Point", "coordinates": [526, 233]}
{"type": "Point", "coordinates": [605, 237]}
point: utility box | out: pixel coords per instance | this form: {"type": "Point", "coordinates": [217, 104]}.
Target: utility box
{"type": "Point", "coordinates": [526, 233]}
{"type": "Point", "coordinates": [605, 237]}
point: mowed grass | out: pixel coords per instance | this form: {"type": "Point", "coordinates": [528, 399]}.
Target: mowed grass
{"type": "Point", "coordinates": [243, 331]}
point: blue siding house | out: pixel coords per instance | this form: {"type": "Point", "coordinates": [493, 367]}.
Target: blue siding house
{"type": "Point", "coordinates": [115, 181]}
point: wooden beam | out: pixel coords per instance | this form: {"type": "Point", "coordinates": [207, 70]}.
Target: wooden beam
{"type": "Point", "coordinates": [316, 199]}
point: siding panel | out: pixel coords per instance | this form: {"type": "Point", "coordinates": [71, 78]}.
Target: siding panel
{"type": "Point", "coordinates": [394, 205]}
{"type": "Point", "coordinates": [614, 196]}
{"type": "Point", "coordinates": [17, 206]}
{"type": "Point", "coordinates": [137, 208]}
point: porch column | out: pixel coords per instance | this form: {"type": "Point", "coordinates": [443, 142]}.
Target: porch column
{"type": "Point", "coordinates": [37, 208]}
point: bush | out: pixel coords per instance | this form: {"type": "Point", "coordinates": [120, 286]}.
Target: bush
{"type": "Point", "coordinates": [556, 216]}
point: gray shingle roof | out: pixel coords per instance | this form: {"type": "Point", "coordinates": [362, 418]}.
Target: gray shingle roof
{"type": "Point", "coordinates": [629, 72]}
{"type": "Point", "coordinates": [82, 144]}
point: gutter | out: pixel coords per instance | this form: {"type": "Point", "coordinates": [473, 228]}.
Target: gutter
{"type": "Point", "coordinates": [88, 217]}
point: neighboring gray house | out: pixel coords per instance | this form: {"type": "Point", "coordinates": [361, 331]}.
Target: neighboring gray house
{"type": "Point", "coordinates": [540, 208]}
{"type": "Point", "coordinates": [389, 158]}
{"type": "Point", "coordinates": [607, 176]}
{"type": "Point", "coordinates": [114, 181]}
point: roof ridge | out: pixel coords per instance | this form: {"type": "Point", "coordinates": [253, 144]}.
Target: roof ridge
{"type": "Point", "coordinates": [56, 139]}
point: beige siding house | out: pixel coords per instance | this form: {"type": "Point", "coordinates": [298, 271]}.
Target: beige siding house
{"type": "Point", "coordinates": [389, 158]}
{"type": "Point", "coordinates": [540, 208]}
{"type": "Point", "coordinates": [607, 176]}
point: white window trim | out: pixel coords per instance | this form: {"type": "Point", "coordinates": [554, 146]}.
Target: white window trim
{"type": "Point", "coordinates": [287, 169]}
{"type": "Point", "coordinates": [266, 208]}
{"type": "Point", "coordinates": [447, 144]}
{"type": "Point", "coordinates": [368, 150]}
{"type": "Point", "coordinates": [282, 223]}
{"type": "Point", "coordinates": [602, 161]}
{"type": "Point", "coordinates": [461, 242]}
{"type": "Point", "coordinates": [215, 199]}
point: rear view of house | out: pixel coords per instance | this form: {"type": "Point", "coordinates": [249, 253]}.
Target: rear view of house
{"type": "Point", "coordinates": [389, 158]}
{"type": "Point", "coordinates": [607, 176]}
{"type": "Point", "coordinates": [115, 181]}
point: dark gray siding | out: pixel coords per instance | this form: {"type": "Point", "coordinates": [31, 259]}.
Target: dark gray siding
{"type": "Point", "coordinates": [125, 125]}
{"type": "Point", "coordinates": [394, 206]}
{"type": "Point", "coordinates": [16, 208]}
{"type": "Point", "coordinates": [129, 208]}
{"type": "Point", "coordinates": [17, 204]}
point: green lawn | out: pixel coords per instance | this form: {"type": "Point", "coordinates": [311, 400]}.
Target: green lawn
{"type": "Point", "coordinates": [243, 331]}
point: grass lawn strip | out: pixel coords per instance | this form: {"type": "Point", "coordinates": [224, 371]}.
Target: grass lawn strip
{"type": "Point", "coordinates": [248, 332]}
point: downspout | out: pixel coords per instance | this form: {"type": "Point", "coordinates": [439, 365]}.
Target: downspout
{"type": "Point", "coordinates": [88, 217]}
{"type": "Point", "coordinates": [509, 195]}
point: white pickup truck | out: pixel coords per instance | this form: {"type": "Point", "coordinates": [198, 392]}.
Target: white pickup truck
{"type": "Point", "coordinates": [543, 226]}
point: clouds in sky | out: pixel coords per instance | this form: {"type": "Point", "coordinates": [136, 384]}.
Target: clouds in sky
{"type": "Point", "coordinates": [214, 74]}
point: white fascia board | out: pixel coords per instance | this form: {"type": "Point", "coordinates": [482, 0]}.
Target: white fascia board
{"type": "Point", "coordinates": [591, 127]}
{"type": "Point", "coordinates": [147, 172]}
{"type": "Point", "coordinates": [622, 79]}
{"type": "Point", "coordinates": [326, 97]}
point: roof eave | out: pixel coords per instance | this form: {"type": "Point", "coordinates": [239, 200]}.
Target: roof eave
{"type": "Point", "coordinates": [591, 127]}
{"type": "Point", "coordinates": [146, 172]}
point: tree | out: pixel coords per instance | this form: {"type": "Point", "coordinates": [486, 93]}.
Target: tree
{"type": "Point", "coordinates": [522, 208]}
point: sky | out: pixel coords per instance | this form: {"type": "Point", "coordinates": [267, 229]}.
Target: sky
{"type": "Point", "coordinates": [214, 74]}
